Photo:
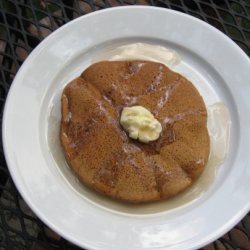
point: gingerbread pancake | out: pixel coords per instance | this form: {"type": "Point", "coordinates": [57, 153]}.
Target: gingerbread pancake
{"type": "Point", "coordinates": [101, 153]}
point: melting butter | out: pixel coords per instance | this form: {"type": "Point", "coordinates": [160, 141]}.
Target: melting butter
{"type": "Point", "coordinates": [142, 51]}
{"type": "Point", "coordinates": [140, 124]}
{"type": "Point", "coordinates": [219, 124]}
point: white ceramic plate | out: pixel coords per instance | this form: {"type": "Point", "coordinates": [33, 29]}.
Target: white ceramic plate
{"type": "Point", "coordinates": [218, 68]}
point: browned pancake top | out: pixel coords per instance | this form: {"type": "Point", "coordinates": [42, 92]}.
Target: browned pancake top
{"type": "Point", "coordinates": [101, 153]}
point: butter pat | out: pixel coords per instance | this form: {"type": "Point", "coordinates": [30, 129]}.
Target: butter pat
{"type": "Point", "coordinates": [140, 124]}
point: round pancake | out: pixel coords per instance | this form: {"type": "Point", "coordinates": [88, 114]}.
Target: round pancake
{"type": "Point", "coordinates": [101, 153]}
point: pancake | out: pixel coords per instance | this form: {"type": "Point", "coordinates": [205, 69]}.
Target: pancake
{"type": "Point", "coordinates": [101, 153]}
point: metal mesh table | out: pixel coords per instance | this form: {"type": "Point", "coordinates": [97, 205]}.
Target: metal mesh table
{"type": "Point", "coordinates": [23, 25]}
